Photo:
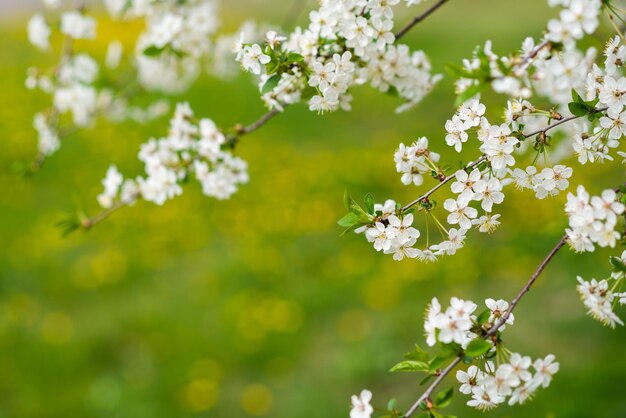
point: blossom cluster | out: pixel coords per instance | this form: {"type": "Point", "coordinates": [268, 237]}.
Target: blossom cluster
{"type": "Point", "coordinates": [593, 220]}
{"type": "Point", "coordinates": [514, 380]}
{"type": "Point", "coordinates": [477, 188]}
{"type": "Point", "coordinates": [414, 161]}
{"type": "Point", "coordinates": [457, 323]}
{"type": "Point", "coordinates": [347, 42]}
{"type": "Point", "coordinates": [176, 42]}
{"type": "Point", "coordinates": [75, 83]}
{"type": "Point", "coordinates": [70, 83]}
{"type": "Point", "coordinates": [601, 297]}
{"type": "Point", "coordinates": [483, 181]}
{"type": "Point", "coordinates": [550, 68]}
{"type": "Point", "coordinates": [191, 148]}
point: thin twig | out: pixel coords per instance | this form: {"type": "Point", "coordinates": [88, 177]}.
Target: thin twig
{"type": "Point", "coordinates": [493, 329]}
{"type": "Point", "coordinates": [527, 286]}
{"type": "Point", "coordinates": [418, 19]}
{"type": "Point", "coordinates": [262, 121]}
{"type": "Point", "coordinates": [241, 130]}
{"type": "Point", "coordinates": [89, 223]}
{"type": "Point", "coordinates": [441, 183]}
{"type": "Point", "coordinates": [522, 65]}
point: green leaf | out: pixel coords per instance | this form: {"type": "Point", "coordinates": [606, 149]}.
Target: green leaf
{"type": "Point", "coordinates": [294, 57]}
{"type": "Point", "coordinates": [578, 109]}
{"type": "Point", "coordinates": [392, 91]}
{"type": "Point", "coordinates": [483, 317]}
{"type": "Point", "coordinates": [308, 92]}
{"type": "Point", "coordinates": [618, 264]}
{"type": "Point", "coordinates": [576, 97]}
{"type": "Point", "coordinates": [369, 203]}
{"type": "Point", "coordinates": [349, 219]}
{"type": "Point", "coordinates": [459, 71]}
{"type": "Point", "coordinates": [417, 354]}
{"type": "Point", "coordinates": [270, 84]}
{"type": "Point", "coordinates": [477, 347]}
{"type": "Point", "coordinates": [436, 363]}
{"type": "Point", "coordinates": [443, 399]}
{"type": "Point", "coordinates": [469, 92]}
{"type": "Point", "coordinates": [410, 366]}
{"type": "Point", "coordinates": [271, 67]}
{"type": "Point", "coordinates": [153, 51]}
{"type": "Point", "coordinates": [391, 405]}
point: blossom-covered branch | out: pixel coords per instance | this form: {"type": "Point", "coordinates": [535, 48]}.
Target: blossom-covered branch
{"type": "Point", "coordinates": [492, 331]}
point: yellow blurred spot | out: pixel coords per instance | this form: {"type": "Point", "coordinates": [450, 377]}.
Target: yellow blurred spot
{"type": "Point", "coordinates": [200, 395]}
{"type": "Point", "coordinates": [206, 368]}
{"type": "Point", "coordinates": [258, 313]}
{"type": "Point", "coordinates": [21, 309]}
{"type": "Point", "coordinates": [381, 293]}
{"type": "Point", "coordinates": [257, 399]}
{"type": "Point", "coordinates": [106, 267]}
{"type": "Point", "coordinates": [57, 328]}
{"type": "Point", "coordinates": [354, 325]}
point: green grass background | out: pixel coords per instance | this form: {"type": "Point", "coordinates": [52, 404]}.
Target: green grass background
{"type": "Point", "coordinates": [256, 306]}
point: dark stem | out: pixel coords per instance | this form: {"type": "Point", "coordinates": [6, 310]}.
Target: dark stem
{"type": "Point", "coordinates": [418, 19]}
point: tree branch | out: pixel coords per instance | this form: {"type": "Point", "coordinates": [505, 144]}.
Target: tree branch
{"type": "Point", "coordinates": [483, 158]}
{"type": "Point", "coordinates": [418, 19]}
{"type": "Point", "coordinates": [494, 328]}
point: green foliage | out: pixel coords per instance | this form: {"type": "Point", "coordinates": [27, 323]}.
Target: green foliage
{"type": "Point", "coordinates": [356, 216]}
{"type": "Point", "coordinates": [477, 347]}
{"type": "Point", "coordinates": [579, 107]}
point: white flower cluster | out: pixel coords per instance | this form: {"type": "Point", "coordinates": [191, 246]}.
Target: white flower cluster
{"type": "Point", "coordinates": [545, 183]}
{"type": "Point", "coordinates": [579, 17]}
{"type": "Point", "coordinates": [414, 161]}
{"type": "Point", "coordinates": [593, 220]}
{"type": "Point", "coordinates": [542, 68]}
{"type": "Point", "coordinates": [347, 42]}
{"type": "Point", "coordinates": [602, 296]}
{"type": "Point", "coordinates": [514, 379]}
{"type": "Point", "coordinates": [480, 186]}
{"type": "Point", "coordinates": [190, 149]}
{"type": "Point", "coordinates": [607, 86]}
{"type": "Point", "coordinates": [77, 25]}
{"type": "Point", "coordinates": [397, 237]}
{"type": "Point", "coordinates": [71, 81]}
{"type": "Point", "coordinates": [455, 324]}
{"type": "Point", "coordinates": [176, 42]}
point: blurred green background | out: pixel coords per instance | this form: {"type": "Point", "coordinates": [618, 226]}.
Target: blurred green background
{"type": "Point", "coordinates": [255, 306]}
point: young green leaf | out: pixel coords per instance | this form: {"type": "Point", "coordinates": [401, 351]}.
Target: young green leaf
{"type": "Point", "coordinates": [349, 219]}
{"type": "Point", "coordinates": [477, 347]}
{"type": "Point", "coordinates": [436, 363]}
{"type": "Point", "coordinates": [270, 83]}
{"type": "Point", "coordinates": [417, 354]}
{"type": "Point", "coordinates": [153, 51]}
{"type": "Point", "coordinates": [618, 264]}
{"type": "Point", "coordinates": [410, 366]}
{"type": "Point", "coordinates": [483, 317]}
{"type": "Point", "coordinates": [443, 399]}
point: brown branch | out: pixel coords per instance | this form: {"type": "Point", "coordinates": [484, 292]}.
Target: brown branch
{"type": "Point", "coordinates": [88, 223]}
{"type": "Point", "coordinates": [441, 183]}
{"type": "Point", "coordinates": [493, 329]}
{"type": "Point", "coordinates": [418, 19]}
{"type": "Point", "coordinates": [241, 130]}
